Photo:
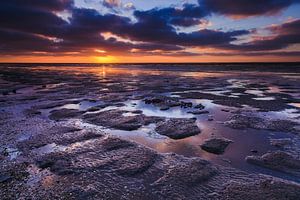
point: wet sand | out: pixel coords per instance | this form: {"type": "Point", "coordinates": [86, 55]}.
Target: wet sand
{"type": "Point", "coordinates": [149, 132]}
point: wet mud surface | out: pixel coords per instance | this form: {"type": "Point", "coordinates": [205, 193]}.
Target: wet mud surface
{"type": "Point", "coordinates": [141, 132]}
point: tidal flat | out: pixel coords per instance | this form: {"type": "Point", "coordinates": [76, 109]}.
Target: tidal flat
{"type": "Point", "coordinates": [150, 131]}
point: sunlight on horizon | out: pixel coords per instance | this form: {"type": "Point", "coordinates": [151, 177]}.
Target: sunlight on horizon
{"type": "Point", "coordinates": [106, 59]}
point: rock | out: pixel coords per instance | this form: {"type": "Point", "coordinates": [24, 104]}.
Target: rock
{"type": "Point", "coordinates": [199, 112]}
{"type": "Point", "coordinates": [116, 119]}
{"type": "Point", "coordinates": [281, 142]}
{"type": "Point", "coordinates": [163, 102]}
{"type": "Point", "coordinates": [279, 160]}
{"type": "Point", "coordinates": [199, 106]}
{"type": "Point", "coordinates": [178, 128]}
{"type": "Point", "coordinates": [65, 114]}
{"type": "Point", "coordinates": [216, 145]}
{"type": "Point", "coordinates": [186, 104]}
{"type": "Point", "coordinates": [153, 100]}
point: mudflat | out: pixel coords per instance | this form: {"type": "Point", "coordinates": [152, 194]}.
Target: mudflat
{"type": "Point", "coordinates": [149, 131]}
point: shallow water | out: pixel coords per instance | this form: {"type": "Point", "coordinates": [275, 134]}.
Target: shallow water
{"type": "Point", "coordinates": [131, 82]}
{"type": "Point", "coordinates": [244, 141]}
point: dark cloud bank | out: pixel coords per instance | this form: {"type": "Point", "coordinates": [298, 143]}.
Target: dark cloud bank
{"type": "Point", "coordinates": [28, 26]}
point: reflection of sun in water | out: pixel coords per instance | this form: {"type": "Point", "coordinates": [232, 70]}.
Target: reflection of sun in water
{"type": "Point", "coordinates": [106, 59]}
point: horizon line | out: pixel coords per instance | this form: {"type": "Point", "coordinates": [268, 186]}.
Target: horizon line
{"type": "Point", "coordinates": [132, 63]}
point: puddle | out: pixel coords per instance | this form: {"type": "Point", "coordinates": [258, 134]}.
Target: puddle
{"type": "Point", "coordinates": [151, 110]}
{"type": "Point", "coordinates": [82, 106]}
{"type": "Point", "coordinates": [244, 140]}
{"type": "Point", "coordinates": [10, 153]}
{"type": "Point", "coordinates": [289, 114]}
{"type": "Point", "coordinates": [129, 114]}
{"type": "Point", "coordinates": [255, 92]}
{"type": "Point", "coordinates": [173, 112]}
{"type": "Point", "coordinates": [236, 83]}
{"type": "Point", "coordinates": [264, 98]}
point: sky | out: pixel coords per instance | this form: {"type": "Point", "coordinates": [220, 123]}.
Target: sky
{"type": "Point", "coordinates": [137, 31]}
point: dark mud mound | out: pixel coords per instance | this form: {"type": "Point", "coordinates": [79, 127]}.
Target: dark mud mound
{"type": "Point", "coordinates": [117, 120]}
{"type": "Point", "coordinates": [110, 154]}
{"type": "Point", "coordinates": [216, 145]}
{"type": "Point", "coordinates": [116, 168]}
{"type": "Point", "coordinates": [187, 172]}
{"type": "Point", "coordinates": [278, 160]}
{"type": "Point", "coordinates": [275, 189]}
{"type": "Point", "coordinates": [178, 128]}
{"type": "Point", "coordinates": [242, 121]}
{"type": "Point", "coordinates": [165, 103]}
{"type": "Point", "coordinates": [65, 114]}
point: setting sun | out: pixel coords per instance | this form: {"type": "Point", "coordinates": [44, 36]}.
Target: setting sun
{"type": "Point", "coordinates": [106, 59]}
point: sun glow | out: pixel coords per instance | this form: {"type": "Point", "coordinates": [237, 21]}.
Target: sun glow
{"type": "Point", "coordinates": [106, 59]}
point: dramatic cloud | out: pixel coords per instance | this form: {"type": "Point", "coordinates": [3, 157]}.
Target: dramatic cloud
{"type": "Point", "coordinates": [285, 34]}
{"type": "Point", "coordinates": [32, 16]}
{"type": "Point", "coordinates": [157, 25]}
{"type": "Point", "coordinates": [189, 15]}
{"type": "Point", "coordinates": [246, 8]}
{"type": "Point", "coordinates": [53, 5]}
{"type": "Point", "coordinates": [42, 27]}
